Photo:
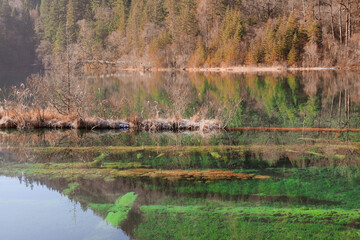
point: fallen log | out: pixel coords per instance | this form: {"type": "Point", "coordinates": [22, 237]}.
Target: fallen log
{"type": "Point", "coordinates": [274, 129]}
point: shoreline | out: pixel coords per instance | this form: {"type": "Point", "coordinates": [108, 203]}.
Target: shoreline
{"type": "Point", "coordinates": [237, 69]}
{"type": "Point", "coordinates": [152, 125]}
{"type": "Point", "coordinates": [7, 122]}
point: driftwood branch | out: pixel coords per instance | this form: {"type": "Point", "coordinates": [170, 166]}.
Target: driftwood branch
{"type": "Point", "coordinates": [269, 129]}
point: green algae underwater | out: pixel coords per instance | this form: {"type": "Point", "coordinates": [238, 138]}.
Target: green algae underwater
{"type": "Point", "coordinates": [191, 186]}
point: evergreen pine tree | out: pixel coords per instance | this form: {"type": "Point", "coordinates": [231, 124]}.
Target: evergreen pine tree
{"type": "Point", "coordinates": [293, 56]}
{"type": "Point", "coordinates": [119, 16]}
{"type": "Point", "coordinates": [315, 33]}
{"type": "Point", "coordinates": [200, 55]}
{"type": "Point", "coordinates": [71, 21]}
{"type": "Point", "coordinates": [60, 40]}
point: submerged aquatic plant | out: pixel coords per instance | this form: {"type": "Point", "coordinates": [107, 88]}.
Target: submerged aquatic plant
{"type": "Point", "coordinates": [85, 170]}
{"type": "Point", "coordinates": [116, 213]}
{"type": "Point", "coordinates": [71, 188]}
{"type": "Point", "coordinates": [207, 222]}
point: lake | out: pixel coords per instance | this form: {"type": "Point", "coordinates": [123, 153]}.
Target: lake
{"type": "Point", "coordinates": [72, 184]}
{"type": "Point", "coordinates": [15, 75]}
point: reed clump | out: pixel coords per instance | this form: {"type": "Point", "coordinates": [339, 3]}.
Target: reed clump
{"type": "Point", "coordinates": [23, 118]}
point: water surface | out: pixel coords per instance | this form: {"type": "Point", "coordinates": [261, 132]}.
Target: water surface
{"type": "Point", "coordinates": [146, 185]}
{"type": "Point", "coordinates": [15, 75]}
{"type": "Point", "coordinates": [33, 211]}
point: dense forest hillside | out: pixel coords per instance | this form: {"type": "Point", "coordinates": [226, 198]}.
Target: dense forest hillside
{"type": "Point", "coordinates": [17, 35]}
{"type": "Point", "coordinates": [183, 33]}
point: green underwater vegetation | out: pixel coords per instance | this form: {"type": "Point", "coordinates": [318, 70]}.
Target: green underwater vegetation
{"type": "Point", "coordinates": [203, 222]}
{"type": "Point", "coordinates": [116, 213]}
{"type": "Point", "coordinates": [305, 188]}
{"type": "Point", "coordinates": [71, 188]}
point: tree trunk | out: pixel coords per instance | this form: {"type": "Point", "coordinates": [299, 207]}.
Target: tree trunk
{"type": "Point", "coordinates": [345, 105]}
{"type": "Point", "coordinates": [349, 11]}
{"type": "Point", "coordinates": [340, 108]}
{"type": "Point", "coordinates": [332, 20]}
{"type": "Point", "coordinates": [346, 29]}
{"type": "Point", "coordinates": [348, 107]}
{"type": "Point", "coordinates": [68, 73]}
{"type": "Point", "coordinates": [303, 8]}
{"type": "Point", "coordinates": [340, 26]}
{"type": "Point", "coordinates": [319, 9]}
{"type": "Point", "coordinates": [332, 106]}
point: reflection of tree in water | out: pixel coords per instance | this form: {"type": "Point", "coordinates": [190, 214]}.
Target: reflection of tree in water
{"type": "Point", "coordinates": [306, 99]}
{"type": "Point", "coordinates": [181, 150]}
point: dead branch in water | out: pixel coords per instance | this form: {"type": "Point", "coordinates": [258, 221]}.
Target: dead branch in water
{"type": "Point", "coordinates": [270, 129]}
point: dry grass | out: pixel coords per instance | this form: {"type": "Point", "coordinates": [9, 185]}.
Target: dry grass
{"type": "Point", "coordinates": [23, 118]}
{"type": "Point", "coordinates": [34, 118]}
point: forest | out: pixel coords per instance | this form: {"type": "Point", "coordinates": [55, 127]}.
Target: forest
{"type": "Point", "coordinates": [181, 34]}
{"type": "Point", "coordinates": [17, 35]}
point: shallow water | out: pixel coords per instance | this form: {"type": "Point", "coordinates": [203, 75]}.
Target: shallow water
{"type": "Point", "coordinates": [145, 185]}
{"type": "Point", "coordinates": [312, 189]}
{"type": "Point", "coordinates": [32, 211]}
